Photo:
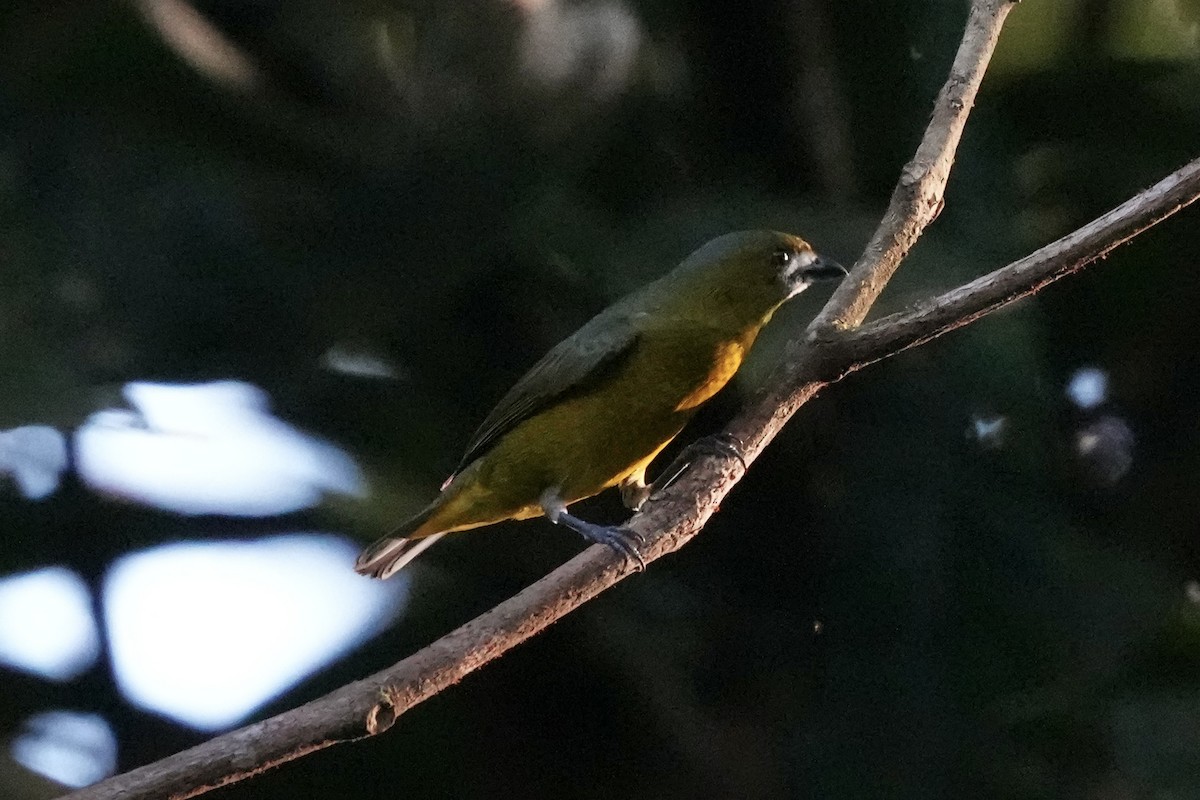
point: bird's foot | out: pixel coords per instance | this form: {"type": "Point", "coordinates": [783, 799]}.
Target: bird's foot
{"type": "Point", "coordinates": [635, 492]}
{"type": "Point", "coordinates": [619, 538]}
{"type": "Point", "coordinates": [716, 444]}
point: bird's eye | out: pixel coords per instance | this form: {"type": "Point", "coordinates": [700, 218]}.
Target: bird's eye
{"type": "Point", "coordinates": [781, 258]}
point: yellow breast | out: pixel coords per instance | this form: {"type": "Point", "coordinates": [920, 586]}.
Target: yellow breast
{"type": "Point", "coordinates": [727, 357]}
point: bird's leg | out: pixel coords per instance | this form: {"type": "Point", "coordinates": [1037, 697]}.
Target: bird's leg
{"type": "Point", "coordinates": [634, 490]}
{"type": "Point", "coordinates": [716, 444]}
{"type": "Point", "coordinates": [621, 539]}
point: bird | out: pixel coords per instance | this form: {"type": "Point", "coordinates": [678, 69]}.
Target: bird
{"type": "Point", "coordinates": [596, 410]}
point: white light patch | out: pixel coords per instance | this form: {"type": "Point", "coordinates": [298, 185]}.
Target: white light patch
{"type": "Point", "coordinates": [1105, 447]}
{"type": "Point", "coordinates": [988, 429]}
{"type": "Point", "coordinates": [66, 746]}
{"type": "Point", "coordinates": [593, 45]}
{"type": "Point", "coordinates": [209, 448]}
{"type": "Point", "coordinates": [34, 457]}
{"type": "Point", "coordinates": [207, 632]}
{"type": "Point", "coordinates": [46, 624]}
{"type": "Point", "coordinates": [358, 362]}
{"type": "Point", "coordinates": [1088, 387]}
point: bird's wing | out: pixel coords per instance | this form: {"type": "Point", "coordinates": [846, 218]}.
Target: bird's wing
{"type": "Point", "coordinates": [577, 362]}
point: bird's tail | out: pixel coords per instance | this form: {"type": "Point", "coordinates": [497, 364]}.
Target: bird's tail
{"type": "Point", "coordinates": [389, 555]}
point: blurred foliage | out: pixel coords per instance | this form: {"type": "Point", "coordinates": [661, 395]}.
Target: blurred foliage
{"type": "Point", "coordinates": [888, 606]}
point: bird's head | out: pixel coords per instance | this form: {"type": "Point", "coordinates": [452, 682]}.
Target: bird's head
{"type": "Point", "coordinates": [797, 265]}
{"type": "Point", "coordinates": [751, 273]}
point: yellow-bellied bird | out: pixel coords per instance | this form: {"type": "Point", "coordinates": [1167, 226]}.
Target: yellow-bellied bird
{"type": "Point", "coordinates": [595, 411]}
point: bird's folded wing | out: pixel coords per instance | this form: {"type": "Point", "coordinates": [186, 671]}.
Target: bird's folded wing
{"type": "Point", "coordinates": [577, 363]}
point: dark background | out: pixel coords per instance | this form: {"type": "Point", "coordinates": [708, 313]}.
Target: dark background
{"type": "Point", "coordinates": [888, 606]}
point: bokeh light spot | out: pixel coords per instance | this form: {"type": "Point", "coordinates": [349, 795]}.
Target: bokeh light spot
{"type": "Point", "coordinates": [210, 448]}
{"type": "Point", "coordinates": [46, 623]}
{"type": "Point", "coordinates": [1105, 449]}
{"type": "Point", "coordinates": [72, 748]}
{"type": "Point", "coordinates": [34, 458]}
{"type": "Point", "coordinates": [205, 633]}
{"type": "Point", "coordinates": [988, 430]}
{"type": "Point", "coordinates": [1088, 387]}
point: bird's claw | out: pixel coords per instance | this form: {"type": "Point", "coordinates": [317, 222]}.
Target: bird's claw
{"type": "Point", "coordinates": [620, 539]}
{"type": "Point", "coordinates": [716, 444]}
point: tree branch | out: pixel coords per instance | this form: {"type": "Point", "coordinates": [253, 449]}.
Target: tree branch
{"type": "Point", "coordinates": [918, 197]}
{"type": "Point", "coordinates": [1071, 253]}
{"type": "Point", "coordinates": [371, 706]}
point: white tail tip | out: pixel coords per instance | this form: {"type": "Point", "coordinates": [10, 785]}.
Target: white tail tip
{"type": "Point", "coordinates": [388, 556]}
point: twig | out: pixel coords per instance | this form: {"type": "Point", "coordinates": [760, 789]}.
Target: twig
{"type": "Point", "coordinates": [1071, 253]}
{"type": "Point", "coordinates": [915, 203]}
{"type": "Point", "coordinates": [917, 199]}
{"type": "Point", "coordinates": [370, 706]}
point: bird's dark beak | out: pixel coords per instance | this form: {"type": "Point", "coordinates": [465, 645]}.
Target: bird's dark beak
{"type": "Point", "coordinates": [824, 268]}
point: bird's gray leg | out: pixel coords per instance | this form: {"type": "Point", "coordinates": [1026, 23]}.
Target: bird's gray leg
{"type": "Point", "coordinates": [623, 540]}
{"type": "Point", "coordinates": [634, 491]}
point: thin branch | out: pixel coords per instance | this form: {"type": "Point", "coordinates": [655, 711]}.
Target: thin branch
{"type": "Point", "coordinates": [1071, 253]}
{"type": "Point", "coordinates": [371, 706]}
{"type": "Point", "coordinates": [918, 197]}
{"type": "Point", "coordinates": [915, 203]}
